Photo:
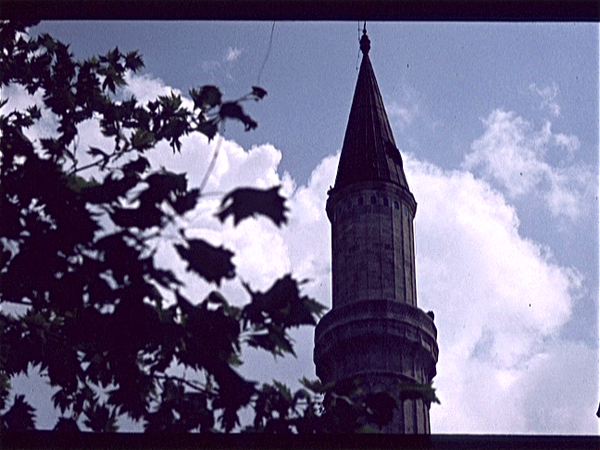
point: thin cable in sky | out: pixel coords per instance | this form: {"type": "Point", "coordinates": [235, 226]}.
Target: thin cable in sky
{"type": "Point", "coordinates": [211, 165]}
{"type": "Point", "coordinates": [266, 56]}
{"type": "Point", "coordinates": [358, 53]}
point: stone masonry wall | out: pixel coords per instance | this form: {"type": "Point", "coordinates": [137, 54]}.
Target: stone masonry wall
{"type": "Point", "coordinates": [375, 332]}
{"type": "Point", "coordinates": [373, 244]}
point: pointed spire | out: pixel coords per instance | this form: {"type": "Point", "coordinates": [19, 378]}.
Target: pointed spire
{"type": "Point", "coordinates": [365, 43]}
{"type": "Point", "coordinates": [369, 151]}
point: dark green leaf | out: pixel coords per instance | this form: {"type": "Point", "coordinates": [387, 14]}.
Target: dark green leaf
{"type": "Point", "coordinates": [314, 386]}
{"type": "Point", "coordinates": [234, 394]}
{"type": "Point", "coordinates": [4, 389]}
{"type": "Point", "coordinates": [232, 110]}
{"type": "Point", "coordinates": [207, 97]}
{"type": "Point", "coordinates": [195, 412]}
{"type": "Point", "coordinates": [185, 202]}
{"type": "Point", "coordinates": [161, 185]}
{"type": "Point", "coordinates": [170, 102]}
{"type": "Point", "coordinates": [52, 147]}
{"type": "Point", "coordinates": [66, 425]}
{"type": "Point", "coordinates": [34, 112]}
{"type": "Point", "coordinates": [258, 92]}
{"type": "Point", "coordinates": [216, 298]}
{"type": "Point", "coordinates": [165, 278]}
{"type": "Point", "coordinates": [271, 313]}
{"type": "Point", "coordinates": [62, 400]}
{"type": "Point", "coordinates": [208, 128]}
{"type": "Point", "coordinates": [134, 61]}
{"type": "Point", "coordinates": [100, 418]}
{"type": "Point", "coordinates": [79, 184]}
{"type": "Point", "coordinates": [418, 390]}
{"type": "Point", "coordinates": [283, 304]}
{"type": "Point", "coordinates": [247, 202]}
{"type": "Point", "coordinates": [142, 140]}
{"type": "Point", "coordinates": [20, 417]}
{"type": "Point", "coordinates": [211, 263]}
{"type": "Point", "coordinates": [134, 392]}
{"type": "Point", "coordinates": [110, 189]}
{"type": "Point", "coordinates": [137, 166]}
{"type": "Point", "coordinates": [269, 342]}
{"type": "Point", "coordinates": [137, 217]}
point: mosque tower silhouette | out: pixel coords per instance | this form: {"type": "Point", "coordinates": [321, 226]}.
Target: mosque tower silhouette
{"type": "Point", "coordinates": [375, 336]}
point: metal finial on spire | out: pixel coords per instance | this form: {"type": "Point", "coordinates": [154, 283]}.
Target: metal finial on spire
{"type": "Point", "coordinates": [365, 43]}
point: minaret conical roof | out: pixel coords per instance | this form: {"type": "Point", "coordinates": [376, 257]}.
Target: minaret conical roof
{"type": "Point", "coordinates": [369, 151]}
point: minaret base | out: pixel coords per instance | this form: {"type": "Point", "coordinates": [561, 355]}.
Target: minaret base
{"type": "Point", "coordinates": [379, 346]}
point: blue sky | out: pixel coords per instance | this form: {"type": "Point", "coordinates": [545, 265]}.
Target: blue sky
{"type": "Point", "coordinates": [498, 127]}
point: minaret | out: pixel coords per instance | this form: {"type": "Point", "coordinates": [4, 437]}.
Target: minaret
{"type": "Point", "coordinates": [375, 334]}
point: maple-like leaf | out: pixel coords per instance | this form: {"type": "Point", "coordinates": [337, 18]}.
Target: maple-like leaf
{"type": "Point", "coordinates": [66, 425]}
{"type": "Point", "coordinates": [20, 417]}
{"type": "Point", "coordinates": [4, 389]}
{"type": "Point", "coordinates": [137, 166]}
{"type": "Point", "coordinates": [207, 97]}
{"type": "Point", "coordinates": [100, 418]}
{"type": "Point", "coordinates": [270, 314]}
{"type": "Point", "coordinates": [232, 110]}
{"type": "Point", "coordinates": [133, 61]}
{"type": "Point", "coordinates": [185, 201]}
{"type": "Point", "coordinates": [258, 93]}
{"type": "Point", "coordinates": [247, 202]}
{"type": "Point", "coordinates": [211, 263]}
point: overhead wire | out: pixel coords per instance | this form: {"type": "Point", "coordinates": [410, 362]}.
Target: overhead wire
{"type": "Point", "coordinates": [358, 53]}
{"type": "Point", "coordinates": [267, 55]}
{"type": "Point", "coordinates": [221, 132]}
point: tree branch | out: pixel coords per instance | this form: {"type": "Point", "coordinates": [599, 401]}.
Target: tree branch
{"type": "Point", "coordinates": [181, 380]}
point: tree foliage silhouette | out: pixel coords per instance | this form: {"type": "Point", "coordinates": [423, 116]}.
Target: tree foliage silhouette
{"type": "Point", "coordinates": [91, 310]}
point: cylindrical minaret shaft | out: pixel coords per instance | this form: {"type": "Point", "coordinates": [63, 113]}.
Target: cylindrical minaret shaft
{"type": "Point", "coordinates": [375, 334]}
{"type": "Point", "coordinates": [373, 240]}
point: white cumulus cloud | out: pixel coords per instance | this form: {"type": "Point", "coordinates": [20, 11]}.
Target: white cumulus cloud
{"type": "Point", "coordinates": [232, 54]}
{"type": "Point", "coordinates": [515, 155]}
{"type": "Point", "coordinates": [548, 95]}
{"type": "Point", "coordinates": [408, 107]}
{"type": "Point", "coordinates": [498, 298]}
